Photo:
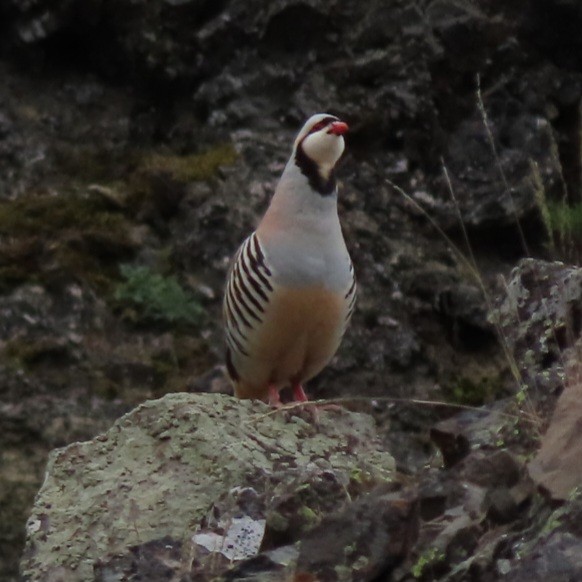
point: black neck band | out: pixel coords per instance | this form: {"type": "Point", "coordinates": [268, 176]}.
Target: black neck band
{"type": "Point", "coordinates": [324, 186]}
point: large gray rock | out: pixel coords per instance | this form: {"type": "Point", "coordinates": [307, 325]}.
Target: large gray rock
{"type": "Point", "coordinates": [172, 466]}
{"type": "Point", "coordinates": [539, 320]}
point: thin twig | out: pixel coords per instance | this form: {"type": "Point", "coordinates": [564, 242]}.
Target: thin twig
{"type": "Point", "coordinates": [471, 265]}
{"type": "Point", "coordinates": [491, 140]}
{"type": "Point", "coordinates": [458, 252]}
{"type": "Point", "coordinates": [504, 343]}
{"type": "Point", "coordinates": [533, 419]}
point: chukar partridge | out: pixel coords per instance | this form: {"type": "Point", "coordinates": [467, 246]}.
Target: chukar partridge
{"type": "Point", "coordinates": [291, 289]}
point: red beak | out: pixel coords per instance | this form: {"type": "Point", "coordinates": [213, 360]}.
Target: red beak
{"type": "Point", "coordinates": [338, 128]}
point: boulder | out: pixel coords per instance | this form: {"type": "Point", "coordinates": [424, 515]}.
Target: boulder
{"type": "Point", "coordinates": [190, 468]}
{"type": "Point", "coordinates": [539, 321]}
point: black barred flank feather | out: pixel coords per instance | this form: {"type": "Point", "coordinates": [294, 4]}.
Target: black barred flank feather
{"type": "Point", "coordinates": [232, 371]}
{"type": "Point", "coordinates": [351, 295]}
{"type": "Point", "coordinates": [247, 295]}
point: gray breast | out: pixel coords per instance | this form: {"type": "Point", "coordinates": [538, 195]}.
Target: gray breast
{"type": "Point", "coordinates": [309, 261]}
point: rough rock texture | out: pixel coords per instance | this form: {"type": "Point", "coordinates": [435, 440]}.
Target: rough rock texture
{"type": "Point", "coordinates": [540, 320]}
{"type": "Point", "coordinates": [366, 540]}
{"type": "Point", "coordinates": [556, 558]}
{"type": "Point", "coordinates": [174, 464]}
{"type": "Point", "coordinates": [359, 543]}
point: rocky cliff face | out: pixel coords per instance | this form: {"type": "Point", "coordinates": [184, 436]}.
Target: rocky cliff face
{"type": "Point", "coordinates": [140, 141]}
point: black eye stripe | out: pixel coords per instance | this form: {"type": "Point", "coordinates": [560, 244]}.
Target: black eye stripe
{"type": "Point", "coordinates": [321, 124]}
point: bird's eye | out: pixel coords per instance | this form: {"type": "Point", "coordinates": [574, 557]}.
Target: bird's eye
{"type": "Point", "coordinates": [320, 125]}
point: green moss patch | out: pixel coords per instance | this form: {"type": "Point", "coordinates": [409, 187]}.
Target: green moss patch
{"type": "Point", "coordinates": [166, 172]}
{"type": "Point", "coordinates": [48, 237]}
{"type": "Point", "coordinates": [150, 296]}
{"type": "Point", "coordinates": [160, 180]}
{"type": "Point", "coordinates": [565, 218]}
{"type": "Point", "coordinates": [83, 234]}
{"type": "Point", "coordinates": [472, 391]}
{"type": "Point", "coordinates": [191, 167]}
{"type": "Point", "coordinates": [54, 215]}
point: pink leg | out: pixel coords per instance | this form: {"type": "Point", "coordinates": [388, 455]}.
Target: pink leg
{"type": "Point", "coordinates": [300, 396]}
{"type": "Point", "coordinates": [298, 393]}
{"type": "Point", "coordinates": [274, 398]}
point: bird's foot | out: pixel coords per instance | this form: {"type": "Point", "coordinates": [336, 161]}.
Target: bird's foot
{"type": "Point", "coordinates": [299, 394]}
{"type": "Point", "coordinates": [300, 397]}
{"type": "Point", "coordinates": [274, 398]}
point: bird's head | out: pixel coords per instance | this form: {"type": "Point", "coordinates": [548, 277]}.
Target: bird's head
{"type": "Point", "coordinates": [320, 144]}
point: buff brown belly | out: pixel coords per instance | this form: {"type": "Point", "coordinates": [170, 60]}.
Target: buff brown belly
{"type": "Point", "coordinates": [300, 332]}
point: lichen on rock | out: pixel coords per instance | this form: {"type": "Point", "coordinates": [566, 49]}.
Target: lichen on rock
{"type": "Point", "coordinates": [162, 469]}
